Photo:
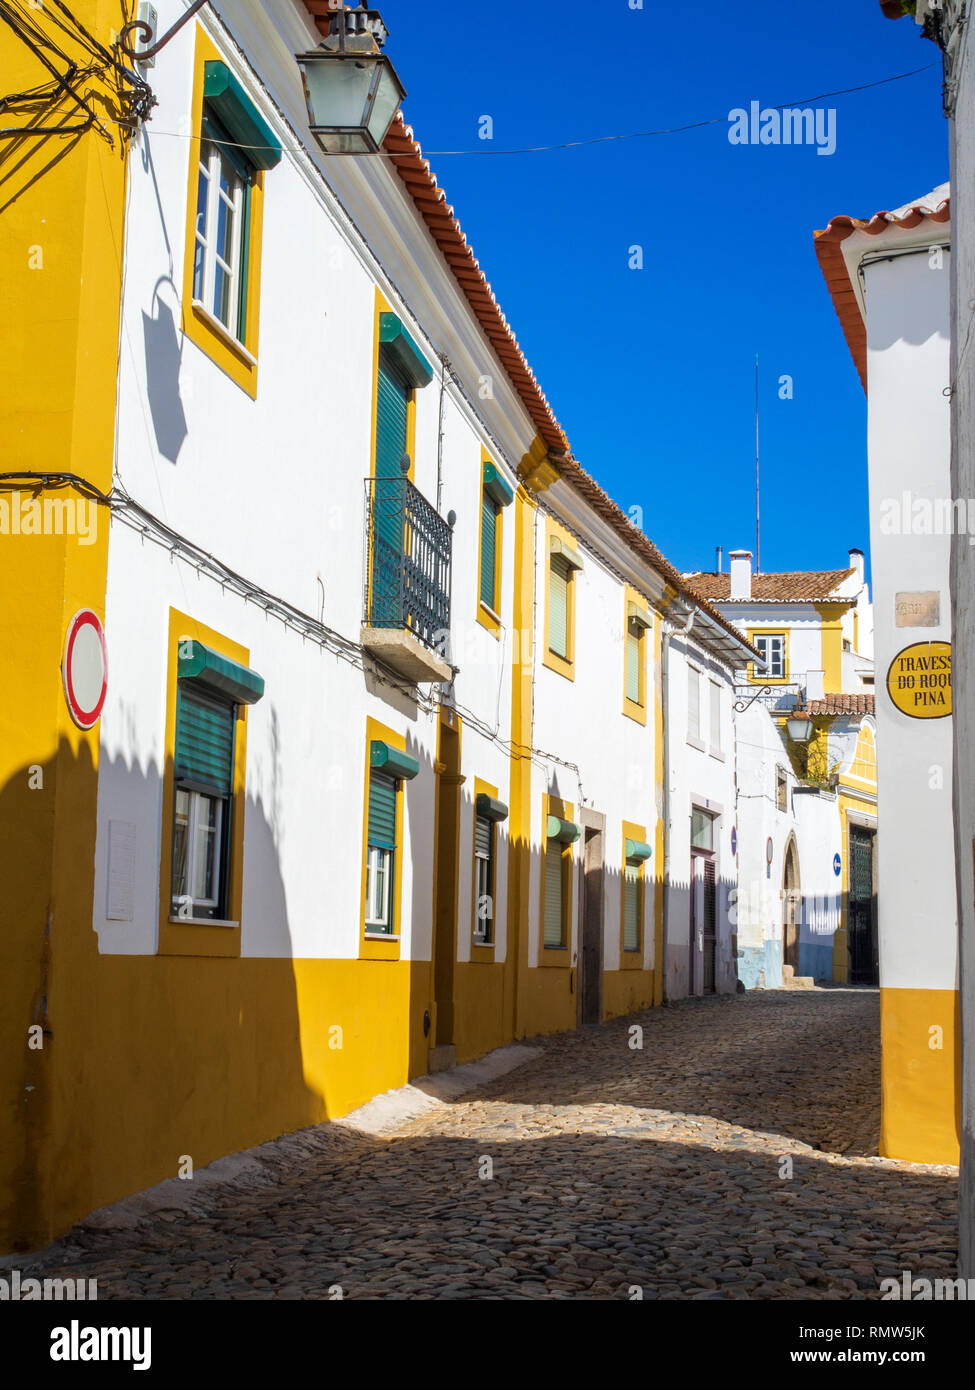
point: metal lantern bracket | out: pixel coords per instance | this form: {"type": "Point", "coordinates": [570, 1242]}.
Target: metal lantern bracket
{"type": "Point", "coordinates": [742, 705]}
{"type": "Point", "coordinates": [137, 26]}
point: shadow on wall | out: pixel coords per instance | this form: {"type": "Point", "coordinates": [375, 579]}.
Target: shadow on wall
{"type": "Point", "coordinates": [680, 951]}
{"type": "Point", "coordinates": [146, 1060]}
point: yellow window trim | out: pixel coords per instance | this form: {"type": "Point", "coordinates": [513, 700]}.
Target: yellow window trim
{"type": "Point", "coordinates": [633, 960]}
{"type": "Point", "coordinates": [564, 666]}
{"type": "Point", "coordinates": [373, 945]}
{"type": "Point", "coordinates": [238, 361]}
{"type": "Point", "coordinates": [192, 938]}
{"type": "Point", "coordinates": [636, 709]}
{"type": "Point", "coordinates": [559, 957]}
{"type": "Point", "coordinates": [479, 951]}
{"type": "Point", "coordinates": [756, 676]}
{"type": "Point", "coordinates": [490, 617]}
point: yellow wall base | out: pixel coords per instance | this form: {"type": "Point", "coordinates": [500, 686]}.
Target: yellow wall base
{"type": "Point", "coordinates": [626, 992]}
{"type": "Point", "coordinates": [920, 1089]}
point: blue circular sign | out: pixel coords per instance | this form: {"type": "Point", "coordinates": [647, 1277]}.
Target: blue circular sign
{"type": "Point", "coordinates": [837, 865]}
{"type": "Point", "coordinates": [734, 840]}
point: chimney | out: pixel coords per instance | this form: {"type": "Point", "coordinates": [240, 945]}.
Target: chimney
{"type": "Point", "coordinates": [856, 563]}
{"type": "Point", "coordinates": [720, 559]}
{"type": "Point", "coordinates": [741, 573]}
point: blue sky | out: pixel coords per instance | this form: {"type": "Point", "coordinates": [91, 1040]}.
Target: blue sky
{"type": "Point", "coordinates": [651, 372]}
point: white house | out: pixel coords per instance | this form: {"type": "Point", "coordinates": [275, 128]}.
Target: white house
{"type": "Point", "coordinates": [889, 278]}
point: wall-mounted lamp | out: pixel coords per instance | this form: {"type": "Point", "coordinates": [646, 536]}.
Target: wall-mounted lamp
{"type": "Point", "coordinates": [351, 88]}
{"type": "Point", "coordinates": [800, 726]}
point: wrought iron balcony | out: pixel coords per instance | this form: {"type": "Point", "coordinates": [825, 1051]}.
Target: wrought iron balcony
{"type": "Point", "coordinates": [777, 698]}
{"type": "Point", "coordinates": [406, 599]}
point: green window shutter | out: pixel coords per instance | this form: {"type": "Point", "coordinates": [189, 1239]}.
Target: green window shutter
{"type": "Point", "coordinates": [382, 811]}
{"type": "Point", "coordinates": [558, 607]}
{"type": "Point", "coordinates": [552, 931]}
{"type": "Point", "coordinates": [204, 753]}
{"type": "Point", "coordinates": [631, 909]}
{"type": "Point", "coordinates": [400, 348]}
{"type": "Point", "coordinates": [393, 394]}
{"type": "Point", "coordinates": [482, 837]}
{"type": "Point", "coordinates": [633, 662]}
{"type": "Point", "coordinates": [489, 536]}
{"type": "Point", "coordinates": [245, 125]}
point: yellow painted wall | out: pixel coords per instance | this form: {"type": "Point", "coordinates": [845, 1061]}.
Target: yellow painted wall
{"type": "Point", "coordinates": [920, 1075]}
{"type": "Point", "coordinates": [61, 227]}
{"type": "Point", "coordinates": [627, 991]}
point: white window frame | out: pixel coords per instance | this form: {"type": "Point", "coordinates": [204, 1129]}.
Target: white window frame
{"type": "Point", "coordinates": [379, 863]}
{"type": "Point", "coordinates": [695, 736]}
{"type": "Point", "coordinates": [211, 168]}
{"type": "Point", "coordinates": [192, 843]}
{"type": "Point", "coordinates": [763, 641]}
{"type": "Point", "coordinates": [716, 722]}
{"type": "Point", "coordinates": [483, 873]}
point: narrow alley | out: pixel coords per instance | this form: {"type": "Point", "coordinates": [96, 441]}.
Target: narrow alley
{"type": "Point", "coordinates": [730, 1156]}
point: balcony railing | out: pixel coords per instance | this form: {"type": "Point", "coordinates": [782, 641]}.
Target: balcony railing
{"type": "Point", "coordinates": [408, 562]}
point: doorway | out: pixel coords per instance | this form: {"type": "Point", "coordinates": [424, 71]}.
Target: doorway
{"type": "Point", "coordinates": [593, 869]}
{"type": "Point", "coordinates": [447, 845]}
{"type": "Point", "coordinates": [704, 902]}
{"type": "Point", "coordinates": [862, 909]}
{"type": "Point", "coordinates": [790, 908]}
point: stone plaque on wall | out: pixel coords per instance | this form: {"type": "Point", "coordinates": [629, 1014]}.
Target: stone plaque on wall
{"type": "Point", "coordinates": [917, 610]}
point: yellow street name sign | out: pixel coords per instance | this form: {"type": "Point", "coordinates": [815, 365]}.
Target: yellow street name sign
{"type": "Point", "coordinates": [919, 680]}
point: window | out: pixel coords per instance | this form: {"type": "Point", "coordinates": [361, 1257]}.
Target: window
{"type": "Point", "coordinates": [632, 906]}
{"type": "Point", "coordinates": [204, 766]}
{"type": "Point", "coordinates": [702, 830]}
{"type": "Point", "coordinates": [483, 881]}
{"type": "Point", "coordinates": [222, 229]}
{"type": "Point", "coordinates": [772, 648]}
{"type": "Point", "coordinates": [781, 790]}
{"type": "Point", "coordinates": [380, 854]}
{"type": "Point", "coordinates": [715, 717]}
{"type": "Point", "coordinates": [634, 660]}
{"type": "Point", "coordinates": [554, 925]}
{"type": "Point", "coordinates": [693, 703]}
{"type": "Point", "coordinates": [231, 149]}
{"type": "Point", "coordinates": [209, 689]}
{"type": "Point", "coordinates": [489, 556]}
{"type": "Point", "coordinates": [560, 578]}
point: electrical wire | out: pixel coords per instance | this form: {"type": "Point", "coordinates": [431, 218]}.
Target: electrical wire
{"type": "Point", "coordinates": [603, 139]}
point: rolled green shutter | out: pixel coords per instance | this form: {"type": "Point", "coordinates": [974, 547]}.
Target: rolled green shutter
{"type": "Point", "coordinates": [631, 909]}
{"type": "Point", "coordinates": [482, 837]}
{"type": "Point", "coordinates": [489, 536]}
{"type": "Point", "coordinates": [558, 607]}
{"type": "Point", "coordinates": [392, 399]}
{"type": "Point", "coordinates": [204, 751]}
{"type": "Point", "coordinates": [552, 933]}
{"type": "Point", "coordinates": [632, 664]}
{"type": "Point", "coordinates": [382, 811]}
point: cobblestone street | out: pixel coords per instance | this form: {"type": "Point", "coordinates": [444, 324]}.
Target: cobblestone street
{"type": "Point", "coordinates": [730, 1157]}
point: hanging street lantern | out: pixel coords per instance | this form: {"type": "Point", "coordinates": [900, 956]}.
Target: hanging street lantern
{"type": "Point", "coordinates": [800, 726]}
{"type": "Point", "coordinates": [351, 88]}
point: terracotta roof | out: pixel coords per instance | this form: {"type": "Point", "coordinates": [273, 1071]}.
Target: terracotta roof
{"type": "Point", "coordinates": [829, 252]}
{"type": "Point", "coordinates": [842, 704]}
{"type": "Point", "coordinates": [789, 586]}
{"type": "Point", "coordinates": [431, 202]}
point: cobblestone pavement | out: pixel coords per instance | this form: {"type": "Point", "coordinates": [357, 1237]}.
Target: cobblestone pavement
{"type": "Point", "coordinates": [727, 1158]}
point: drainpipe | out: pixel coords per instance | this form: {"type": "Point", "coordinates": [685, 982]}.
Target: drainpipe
{"type": "Point", "coordinates": [670, 630]}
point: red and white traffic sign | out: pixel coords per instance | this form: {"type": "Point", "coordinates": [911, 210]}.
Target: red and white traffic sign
{"type": "Point", "coordinates": [84, 669]}
{"type": "Point", "coordinates": [769, 851]}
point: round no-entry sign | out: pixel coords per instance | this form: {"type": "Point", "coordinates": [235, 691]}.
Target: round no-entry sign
{"type": "Point", "coordinates": [84, 669]}
{"type": "Point", "coordinates": [769, 851]}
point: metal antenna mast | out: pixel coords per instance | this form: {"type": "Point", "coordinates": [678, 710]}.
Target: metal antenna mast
{"type": "Point", "coordinates": [758, 545]}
